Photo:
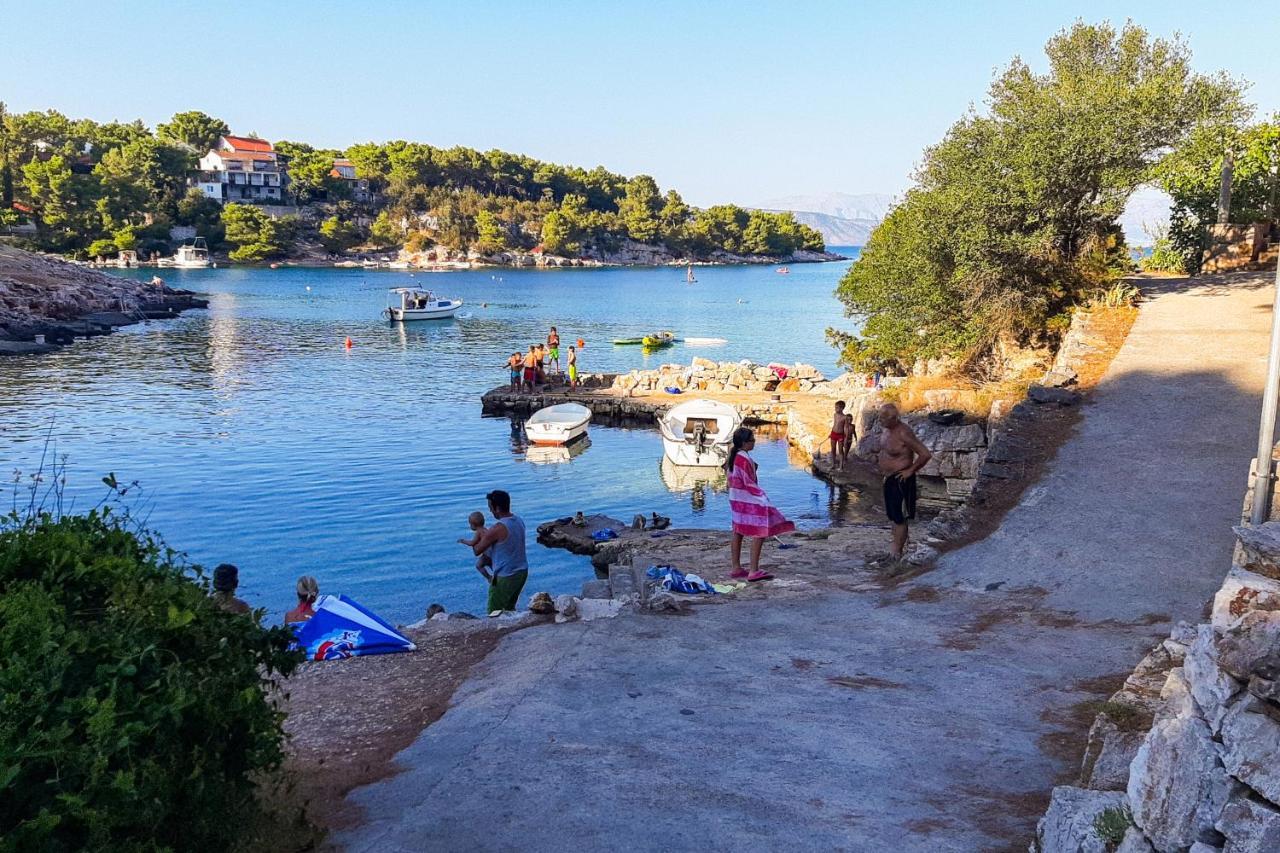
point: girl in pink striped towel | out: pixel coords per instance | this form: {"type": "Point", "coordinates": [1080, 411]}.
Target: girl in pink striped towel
{"type": "Point", "coordinates": [753, 515]}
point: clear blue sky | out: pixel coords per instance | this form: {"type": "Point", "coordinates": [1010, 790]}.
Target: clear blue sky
{"type": "Point", "coordinates": [726, 101]}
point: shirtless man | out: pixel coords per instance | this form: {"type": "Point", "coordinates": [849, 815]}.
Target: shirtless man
{"type": "Point", "coordinates": [901, 456]}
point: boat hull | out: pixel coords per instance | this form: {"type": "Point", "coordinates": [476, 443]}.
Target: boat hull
{"type": "Point", "coordinates": [689, 455]}
{"type": "Point", "coordinates": [437, 312]}
{"type": "Point", "coordinates": [558, 424]}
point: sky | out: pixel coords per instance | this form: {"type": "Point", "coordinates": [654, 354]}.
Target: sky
{"type": "Point", "coordinates": [724, 101]}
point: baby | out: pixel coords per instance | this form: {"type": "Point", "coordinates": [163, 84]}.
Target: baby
{"type": "Point", "coordinates": [485, 561]}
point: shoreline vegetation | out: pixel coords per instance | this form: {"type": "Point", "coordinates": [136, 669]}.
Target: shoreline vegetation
{"type": "Point", "coordinates": [101, 191]}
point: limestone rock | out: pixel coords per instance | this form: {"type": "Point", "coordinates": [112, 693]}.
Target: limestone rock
{"type": "Point", "coordinates": [919, 554]}
{"type": "Point", "coordinates": [623, 584]}
{"type": "Point", "coordinates": [590, 609]}
{"type": "Point", "coordinates": [1241, 592]}
{"type": "Point", "coordinates": [1250, 826]}
{"type": "Point", "coordinates": [1175, 696]}
{"type": "Point", "coordinates": [595, 589]}
{"type": "Point", "coordinates": [566, 607]}
{"type": "Point", "coordinates": [1212, 688]}
{"type": "Point", "coordinates": [957, 437]}
{"type": "Point", "coordinates": [1265, 688]}
{"type": "Point", "coordinates": [1260, 548]}
{"type": "Point", "coordinates": [664, 602]}
{"type": "Point", "coordinates": [1201, 847]}
{"type": "Point", "coordinates": [1068, 823]}
{"type": "Point", "coordinates": [1059, 378]}
{"type": "Point", "coordinates": [1177, 784]}
{"type": "Point", "coordinates": [1135, 842]}
{"type": "Point", "coordinates": [1108, 754]}
{"type": "Point", "coordinates": [1055, 396]}
{"type": "Point", "coordinates": [1251, 747]}
{"type": "Point", "coordinates": [1252, 646]}
{"type": "Point", "coordinates": [541, 603]}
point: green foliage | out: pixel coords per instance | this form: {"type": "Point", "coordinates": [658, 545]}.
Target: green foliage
{"type": "Point", "coordinates": [490, 235]}
{"type": "Point", "coordinates": [193, 128]}
{"type": "Point", "coordinates": [1192, 175]}
{"type": "Point", "coordinates": [338, 236]}
{"type": "Point", "coordinates": [256, 236]}
{"type": "Point", "coordinates": [639, 209]}
{"type": "Point", "coordinates": [1119, 295]}
{"type": "Point", "coordinates": [309, 170]}
{"type": "Point", "coordinates": [202, 213]}
{"type": "Point", "coordinates": [385, 231]}
{"type": "Point", "coordinates": [1013, 219]}
{"type": "Point", "coordinates": [103, 249]}
{"type": "Point", "coordinates": [134, 713]}
{"type": "Point", "coordinates": [1112, 824]}
{"type": "Point", "coordinates": [1165, 256]}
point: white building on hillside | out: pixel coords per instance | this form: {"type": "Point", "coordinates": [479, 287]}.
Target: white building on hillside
{"type": "Point", "coordinates": [240, 168]}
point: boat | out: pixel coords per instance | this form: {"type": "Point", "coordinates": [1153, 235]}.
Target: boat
{"type": "Point", "coordinates": [698, 433]}
{"type": "Point", "coordinates": [682, 479]}
{"type": "Point", "coordinates": [783, 271]}
{"type": "Point", "coordinates": [190, 256]}
{"type": "Point", "coordinates": [658, 339]}
{"type": "Point", "coordinates": [417, 304]}
{"type": "Point", "coordinates": [550, 454]}
{"type": "Point", "coordinates": [558, 424]}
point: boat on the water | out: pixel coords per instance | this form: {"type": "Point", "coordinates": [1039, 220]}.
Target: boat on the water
{"type": "Point", "coordinates": [190, 256]}
{"type": "Point", "coordinates": [698, 433]}
{"type": "Point", "coordinates": [783, 271]}
{"type": "Point", "coordinates": [417, 304]}
{"type": "Point", "coordinates": [558, 424]}
{"type": "Point", "coordinates": [550, 454]}
{"type": "Point", "coordinates": [653, 340]}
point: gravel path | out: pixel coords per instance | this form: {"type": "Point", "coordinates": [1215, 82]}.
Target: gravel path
{"type": "Point", "coordinates": [931, 716]}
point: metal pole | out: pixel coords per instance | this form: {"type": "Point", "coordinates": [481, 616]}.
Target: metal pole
{"type": "Point", "coordinates": [1266, 430]}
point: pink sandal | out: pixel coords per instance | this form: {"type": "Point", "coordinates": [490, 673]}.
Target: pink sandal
{"type": "Point", "coordinates": [738, 574]}
{"type": "Point", "coordinates": [760, 575]}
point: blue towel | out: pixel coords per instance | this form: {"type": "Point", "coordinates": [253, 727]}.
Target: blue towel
{"type": "Point", "coordinates": [677, 581]}
{"type": "Point", "coordinates": [671, 389]}
{"type": "Point", "coordinates": [605, 534]}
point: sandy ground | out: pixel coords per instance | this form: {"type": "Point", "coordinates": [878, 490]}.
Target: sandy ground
{"type": "Point", "coordinates": [840, 709]}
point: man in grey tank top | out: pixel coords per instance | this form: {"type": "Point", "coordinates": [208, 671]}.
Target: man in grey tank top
{"type": "Point", "coordinates": [510, 565]}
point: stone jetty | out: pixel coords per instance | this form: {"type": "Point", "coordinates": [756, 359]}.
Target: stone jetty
{"type": "Point", "coordinates": [42, 296]}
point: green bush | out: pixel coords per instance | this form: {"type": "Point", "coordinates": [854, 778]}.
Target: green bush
{"type": "Point", "coordinates": [134, 713]}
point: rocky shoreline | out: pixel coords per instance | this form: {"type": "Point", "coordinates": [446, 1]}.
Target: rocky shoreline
{"type": "Point", "coordinates": [46, 302]}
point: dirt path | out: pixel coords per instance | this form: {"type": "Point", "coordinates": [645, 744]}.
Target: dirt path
{"type": "Point", "coordinates": [934, 715]}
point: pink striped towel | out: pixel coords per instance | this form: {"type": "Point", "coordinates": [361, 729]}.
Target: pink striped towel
{"type": "Point", "coordinates": [753, 515]}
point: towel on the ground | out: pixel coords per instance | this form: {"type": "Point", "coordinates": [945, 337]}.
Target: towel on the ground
{"type": "Point", "coordinates": [753, 515]}
{"type": "Point", "coordinates": [677, 581]}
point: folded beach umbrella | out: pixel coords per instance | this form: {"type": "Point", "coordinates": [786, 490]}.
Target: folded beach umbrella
{"type": "Point", "coordinates": [341, 628]}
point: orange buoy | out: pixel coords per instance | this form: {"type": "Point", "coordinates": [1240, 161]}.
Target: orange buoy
{"type": "Point", "coordinates": [348, 344]}
{"type": "Point", "coordinates": [581, 343]}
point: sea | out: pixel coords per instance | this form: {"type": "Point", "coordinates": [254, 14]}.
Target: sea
{"type": "Point", "coordinates": [256, 437]}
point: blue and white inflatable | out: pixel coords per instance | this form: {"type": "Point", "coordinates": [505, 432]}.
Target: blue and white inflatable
{"type": "Point", "coordinates": [342, 628]}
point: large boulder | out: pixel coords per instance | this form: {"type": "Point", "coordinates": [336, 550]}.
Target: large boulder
{"type": "Point", "coordinates": [1212, 688]}
{"type": "Point", "coordinates": [1251, 746]}
{"type": "Point", "coordinates": [1069, 824]}
{"type": "Point", "coordinates": [1251, 646]}
{"type": "Point", "coordinates": [1241, 592]}
{"type": "Point", "coordinates": [1177, 784]}
{"type": "Point", "coordinates": [1250, 826]}
{"type": "Point", "coordinates": [1108, 754]}
{"type": "Point", "coordinates": [1260, 548]}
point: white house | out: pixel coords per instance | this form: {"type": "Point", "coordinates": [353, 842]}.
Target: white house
{"type": "Point", "coordinates": [358, 186]}
{"type": "Point", "coordinates": [240, 168]}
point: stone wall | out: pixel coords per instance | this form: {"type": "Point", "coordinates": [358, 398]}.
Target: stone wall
{"type": "Point", "coordinates": [1188, 751]}
{"type": "Point", "coordinates": [1239, 247]}
{"type": "Point", "coordinates": [703, 374]}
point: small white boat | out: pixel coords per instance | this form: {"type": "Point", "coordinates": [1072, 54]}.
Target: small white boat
{"type": "Point", "coordinates": [412, 303]}
{"type": "Point", "coordinates": [190, 256]}
{"type": "Point", "coordinates": [559, 424]}
{"type": "Point", "coordinates": [698, 433]}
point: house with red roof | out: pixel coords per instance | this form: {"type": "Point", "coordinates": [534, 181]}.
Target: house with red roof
{"type": "Point", "coordinates": [242, 168]}
{"type": "Point", "coordinates": [358, 187]}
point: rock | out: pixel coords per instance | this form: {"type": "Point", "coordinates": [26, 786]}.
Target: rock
{"type": "Point", "coordinates": [1177, 786]}
{"type": "Point", "coordinates": [1251, 646]}
{"type": "Point", "coordinates": [1055, 396]}
{"type": "Point", "coordinates": [998, 471]}
{"type": "Point", "coordinates": [639, 522]}
{"type": "Point", "coordinates": [956, 437]}
{"type": "Point", "coordinates": [1265, 689]}
{"type": "Point", "coordinates": [1175, 696]}
{"type": "Point", "coordinates": [541, 603]}
{"type": "Point", "coordinates": [1251, 747]}
{"type": "Point", "coordinates": [1068, 825]}
{"type": "Point", "coordinates": [462, 616]}
{"type": "Point", "coordinates": [1241, 592]}
{"type": "Point", "coordinates": [566, 608]}
{"type": "Point", "coordinates": [596, 589]}
{"type": "Point", "coordinates": [1059, 378]}
{"type": "Point", "coordinates": [1006, 447]}
{"type": "Point", "coordinates": [664, 602]}
{"type": "Point", "coordinates": [1260, 549]}
{"type": "Point", "coordinates": [1249, 826]}
{"type": "Point", "coordinates": [1212, 688]}
{"type": "Point", "coordinates": [1135, 842]}
{"type": "Point", "coordinates": [439, 617]}
{"type": "Point", "coordinates": [590, 609]}
{"type": "Point", "coordinates": [434, 609]}
{"type": "Point", "coordinates": [919, 554]}
{"type": "Point", "coordinates": [1108, 754]}
{"type": "Point", "coordinates": [1201, 847]}
{"type": "Point", "coordinates": [700, 363]}
{"type": "Point", "coordinates": [622, 584]}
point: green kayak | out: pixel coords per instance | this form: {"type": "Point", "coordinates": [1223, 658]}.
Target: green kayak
{"type": "Point", "coordinates": [651, 341]}
{"type": "Point", "coordinates": [627, 341]}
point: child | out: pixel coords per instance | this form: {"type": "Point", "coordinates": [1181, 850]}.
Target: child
{"type": "Point", "coordinates": [530, 367]}
{"type": "Point", "coordinates": [839, 435]}
{"type": "Point", "coordinates": [573, 366]}
{"type": "Point", "coordinates": [514, 365]}
{"type": "Point", "coordinates": [476, 522]}
{"type": "Point", "coordinates": [540, 364]}
{"type": "Point", "coordinates": [553, 349]}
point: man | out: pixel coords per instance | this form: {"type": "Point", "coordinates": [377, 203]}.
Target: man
{"type": "Point", "coordinates": [226, 578]}
{"type": "Point", "coordinates": [510, 565]}
{"type": "Point", "coordinates": [901, 456]}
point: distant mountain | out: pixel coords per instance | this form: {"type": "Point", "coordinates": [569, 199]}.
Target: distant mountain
{"type": "Point", "coordinates": [834, 230]}
{"type": "Point", "coordinates": [869, 206]}
{"type": "Point", "coordinates": [1146, 212]}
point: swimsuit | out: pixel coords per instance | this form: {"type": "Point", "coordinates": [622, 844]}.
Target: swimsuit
{"type": "Point", "coordinates": [573, 373]}
{"type": "Point", "coordinates": [836, 436]}
{"type": "Point", "coordinates": [554, 352]}
{"type": "Point", "coordinates": [900, 498]}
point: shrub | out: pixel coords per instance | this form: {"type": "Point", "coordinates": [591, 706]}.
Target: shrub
{"type": "Point", "coordinates": [1112, 824]}
{"type": "Point", "coordinates": [133, 711]}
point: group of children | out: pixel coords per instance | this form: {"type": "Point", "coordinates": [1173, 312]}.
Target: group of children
{"type": "Point", "coordinates": [530, 369]}
{"type": "Point", "coordinates": [843, 435]}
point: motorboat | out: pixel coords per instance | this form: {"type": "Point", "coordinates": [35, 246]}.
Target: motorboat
{"type": "Point", "coordinates": [558, 424]}
{"type": "Point", "coordinates": [551, 454]}
{"type": "Point", "coordinates": [698, 433]}
{"type": "Point", "coordinates": [189, 256]}
{"type": "Point", "coordinates": [412, 303]}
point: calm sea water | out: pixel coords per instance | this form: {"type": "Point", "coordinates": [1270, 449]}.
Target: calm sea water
{"type": "Point", "coordinates": [259, 440]}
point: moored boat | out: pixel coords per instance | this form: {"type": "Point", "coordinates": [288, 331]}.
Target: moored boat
{"type": "Point", "coordinates": [558, 424]}
{"type": "Point", "coordinates": [189, 256]}
{"type": "Point", "coordinates": [698, 433]}
{"type": "Point", "coordinates": [418, 304]}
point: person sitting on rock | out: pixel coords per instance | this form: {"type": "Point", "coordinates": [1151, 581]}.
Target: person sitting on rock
{"type": "Point", "coordinates": [226, 578]}
{"type": "Point", "coordinates": [308, 591]}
